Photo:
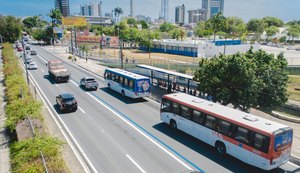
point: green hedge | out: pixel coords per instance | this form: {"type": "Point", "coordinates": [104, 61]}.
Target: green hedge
{"type": "Point", "coordinates": [25, 155]}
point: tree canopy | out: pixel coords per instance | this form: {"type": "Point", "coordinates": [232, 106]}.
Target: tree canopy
{"type": "Point", "coordinates": [254, 79]}
{"type": "Point", "coordinates": [10, 28]}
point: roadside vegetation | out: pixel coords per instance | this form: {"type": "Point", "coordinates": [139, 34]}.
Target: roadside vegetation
{"type": "Point", "coordinates": [25, 154]}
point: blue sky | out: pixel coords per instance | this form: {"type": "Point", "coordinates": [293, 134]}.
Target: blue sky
{"type": "Point", "coordinates": [246, 9]}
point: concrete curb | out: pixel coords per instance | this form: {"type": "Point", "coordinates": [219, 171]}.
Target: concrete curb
{"type": "Point", "coordinates": [283, 117]}
{"type": "Point", "coordinates": [294, 159]}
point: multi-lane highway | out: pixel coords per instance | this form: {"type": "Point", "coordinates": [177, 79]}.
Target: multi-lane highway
{"type": "Point", "coordinates": [119, 134]}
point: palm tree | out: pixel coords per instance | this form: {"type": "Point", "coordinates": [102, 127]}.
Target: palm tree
{"type": "Point", "coordinates": [56, 16]}
{"type": "Point", "coordinates": [117, 11]}
{"type": "Point", "coordinates": [218, 23]}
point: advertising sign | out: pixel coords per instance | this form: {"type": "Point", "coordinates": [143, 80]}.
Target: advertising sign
{"type": "Point", "coordinates": [74, 21]}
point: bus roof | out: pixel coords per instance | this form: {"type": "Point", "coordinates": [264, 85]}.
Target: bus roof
{"type": "Point", "coordinates": [127, 73]}
{"type": "Point", "coordinates": [238, 117]}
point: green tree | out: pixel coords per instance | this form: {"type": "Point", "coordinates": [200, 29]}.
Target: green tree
{"type": "Point", "coordinates": [144, 24]}
{"type": "Point", "coordinates": [236, 27]}
{"type": "Point", "coordinates": [10, 28]}
{"type": "Point", "coordinates": [31, 22]}
{"type": "Point", "coordinates": [261, 81]}
{"type": "Point", "coordinates": [203, 30]}
{"type": "Point", "coordinates": [56, 17]}
{"type": "Point", "coordinates": [273, 21]}
{"type": "Point", "coordinates": [272, 30]}
{"type": "Point", "coordinates": [218, 23]}
{"type": "Point", "coordinates": [166, 27]}
{"type": "Point", "coordinates": [175, 33]}
{"type": "Point", "coordinates": [293, 31]}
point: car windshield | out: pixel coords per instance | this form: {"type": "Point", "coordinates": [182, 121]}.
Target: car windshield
{"type": "Point", "coordinates": [90, 79]}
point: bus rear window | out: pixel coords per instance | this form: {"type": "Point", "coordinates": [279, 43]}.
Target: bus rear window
{"type": "Point", "coordinates": [283, 140]}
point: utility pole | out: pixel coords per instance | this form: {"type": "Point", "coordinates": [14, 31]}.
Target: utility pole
{"type": "Point", "coordinates": [121, 48]}
{"type": "Point", "coordinates": [75, 38]}
{"type": "Point", "coordinates": [149, 49]}
{"type": "Point", "coordinates": [25, 60]}
{"type": "Point", "coordinates": [72, 49]}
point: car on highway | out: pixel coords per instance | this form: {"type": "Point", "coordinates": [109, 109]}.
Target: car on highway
{"type": "Point", "coordinates": [32, 66]}
{"type": "Point", "coordinates": [33, 52]}
{"type": "Point", "coordinates": [290, 48]}
{"type": "Point", "coordinates": [89, 83]}
{"type": "Point", "coordinates": [28, 59]}
{"type": "Point", "coordinates": [19, 49]}
{"type": "Point", "coordinates": [66, 102]}
{"type": "Point", "coordinates": [1, 47]}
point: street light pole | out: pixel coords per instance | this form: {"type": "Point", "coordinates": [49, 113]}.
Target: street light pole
{"type": "Point", "coordinates": [25, 60]}
{"type": "Point", "coordinates": [149, 49]}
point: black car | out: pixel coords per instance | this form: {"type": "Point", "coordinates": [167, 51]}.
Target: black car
{"type": "Point", "coordinates": [66, 102]}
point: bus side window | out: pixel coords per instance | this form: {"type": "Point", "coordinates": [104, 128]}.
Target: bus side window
{"type": "Point", "coordinates": [176, 109]}
{"type": "Point", "coordinates": [131, 84]}
{"type": "Point", "coordinates": [198, 117]}
{"type": "Point", "coordinates": [186, 112]}
{"type": "Point", "coordinates": [121, 80]}
{"type": "Point", "coordinates": [261, 142]}
{"type": "Point", "coordinates": [166, 106]}
{"type": "Point", "coordinates": [126, 81]}
{"type": "Point", "coordinates": [224, 127]}
{"type": "Point", "coordinates": [117, 78]}
{"type": "Point", "coordinates": [242, 135]}
{"type": "Point", "coordinates": [210, 121]}
{"type": "Point", "coordinates": [112, 76]}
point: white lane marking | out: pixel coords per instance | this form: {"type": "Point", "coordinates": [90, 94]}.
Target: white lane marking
{"type": "Point", "coordinates": [43, 59]}
{"type": "Point", "coordinates": [45, 101]}
{"type": "Point", "coordinates": [138, 130]}
{"type": "Point", "coordinates": [42, 70]}
{"type": "Point", "coordinates": [134, 162]}
{"type": "Point", "coordinates": [81, 109]}
{"type": "Point", "coordinates": [74, 82]}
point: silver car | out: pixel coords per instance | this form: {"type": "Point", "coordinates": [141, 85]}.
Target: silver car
{"type": "Point", "coordinates": [32, 66]}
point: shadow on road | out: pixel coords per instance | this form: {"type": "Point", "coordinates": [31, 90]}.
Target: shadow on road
{"type": "Point", "coordinates": [209, 152]}
{"type": "Point", "coordinates": [124, 99]}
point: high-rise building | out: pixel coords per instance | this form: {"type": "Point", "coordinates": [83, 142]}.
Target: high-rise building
{"type": "Point", "coordinates": [164, 10]}
{"type": "Point", "coordinates": [196, 16]}
{"type": "Point", "coordinates": [180, 14]}
{"type": "Point", "coordinates": [131, 8]}
{"type": "Point", "coordinates": [213, 7]}
{"type": "Point", "coordinates": [63, 6]}
{"type": "Point", "coordinates": [91, 9]}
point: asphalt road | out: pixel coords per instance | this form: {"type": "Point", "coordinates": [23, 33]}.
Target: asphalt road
{"type": "Point", "coordinates": [119, 134]}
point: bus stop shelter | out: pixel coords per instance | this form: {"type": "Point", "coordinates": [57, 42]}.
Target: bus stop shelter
{"type": "Point", "coordinates": [167, 75]}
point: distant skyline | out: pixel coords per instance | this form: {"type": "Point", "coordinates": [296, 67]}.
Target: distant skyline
{"type": "Point", "coordinates": [286, 10]}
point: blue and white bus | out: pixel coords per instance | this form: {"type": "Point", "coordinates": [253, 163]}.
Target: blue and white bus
{"type": "Point", "coordinates": [127, 83]}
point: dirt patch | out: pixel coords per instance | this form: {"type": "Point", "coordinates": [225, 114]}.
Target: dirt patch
{"type": "Point", "coordinates": [24, 130]}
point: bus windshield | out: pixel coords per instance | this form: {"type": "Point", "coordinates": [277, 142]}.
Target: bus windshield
{"type": "Point", "coordinates": [283, 140]}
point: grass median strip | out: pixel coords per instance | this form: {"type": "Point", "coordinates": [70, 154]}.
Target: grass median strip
{"type": "Point", "coordinates": [26, 153]}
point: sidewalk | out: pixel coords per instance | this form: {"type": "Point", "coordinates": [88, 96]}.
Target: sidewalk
{"type": "Point", "coordinates": [157, 93]}
{"type": "Point", "coordinates": [4, 137]}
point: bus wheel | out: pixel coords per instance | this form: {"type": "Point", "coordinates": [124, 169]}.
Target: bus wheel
{"type": "Point", "coordinates": [173, 124]}
{"type": "Point", "coordinates": [123, 93]}
{"type": "Point", "coordinates": [220, 147]}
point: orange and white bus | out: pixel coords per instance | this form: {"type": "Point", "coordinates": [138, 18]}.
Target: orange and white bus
{"type": "Point", "coordinates": [254, 140]}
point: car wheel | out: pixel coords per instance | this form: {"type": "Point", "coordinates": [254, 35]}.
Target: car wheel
{"type": "Point", "coordinates": [173, 125]}
{"type": "Point", "coordinates": [220, 147]}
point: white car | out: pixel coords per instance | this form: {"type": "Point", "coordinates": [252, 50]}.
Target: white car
{"type": "Point", "coordinates": [32, 66]}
